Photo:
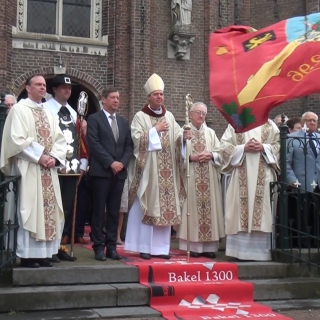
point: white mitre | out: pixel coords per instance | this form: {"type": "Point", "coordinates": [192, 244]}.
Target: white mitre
{"type": "Point", "coordinates": [153, 83]}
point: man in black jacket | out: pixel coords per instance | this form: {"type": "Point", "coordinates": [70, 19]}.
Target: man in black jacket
{"type": "Point", "coordinates": [111, 148]}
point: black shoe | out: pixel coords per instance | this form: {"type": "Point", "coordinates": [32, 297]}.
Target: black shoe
{"type": "Point", "coordinates": [195, 254]}
{"type": "Point", "coordinates": [145, 256]}
{"type": "Point", "coordinates": [99, 255]}
{"type": "Point", "coordinates": [54, 259]}
{"type": "Point", "coordinates": [45, 263]}
{"type": "Point", "coordinates": [163, 256]}
{"type": "Point", "coordinates": [113, 254]}
{"type": "Point", "coordinates": [62, 255]}
{"type": "Point", "coordinates": [29, 263]}
{"type": "Point", "coordinates": [210, 255]}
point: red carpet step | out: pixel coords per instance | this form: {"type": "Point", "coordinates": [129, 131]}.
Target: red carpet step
{"type": "Point", "coordinates": [201, 289]}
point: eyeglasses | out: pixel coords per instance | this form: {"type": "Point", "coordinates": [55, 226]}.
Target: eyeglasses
{"type": "Point", "coordinates": [199, 113]}
{"type": "Point", "coordinates": [9, 105]}
{"type": "Point", "coordinates": [310, 120]}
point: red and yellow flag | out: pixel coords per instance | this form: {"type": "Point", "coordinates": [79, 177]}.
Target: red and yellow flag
{"type": "Point", "coordinates": [252, 71]}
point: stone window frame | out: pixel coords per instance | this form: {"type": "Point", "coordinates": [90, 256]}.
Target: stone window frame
{"type": "Point", "coordinates": [95, 19]}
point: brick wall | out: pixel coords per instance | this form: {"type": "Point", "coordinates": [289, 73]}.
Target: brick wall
{"type": "Point", "coordinates": [26, 62]}
{"type": "Point", "coordinates": [150, 27]}
{"type": "Point", "coordinates": [313, 101]}
{"type": "Point", "coordinates": [7, 19]}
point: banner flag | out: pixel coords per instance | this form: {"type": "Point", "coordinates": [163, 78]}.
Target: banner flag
{"type": "Point", "coordinates": [253, 71]}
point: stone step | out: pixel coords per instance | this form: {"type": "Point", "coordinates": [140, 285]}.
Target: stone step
{"type": "Point", "coordinates": [286, 288]}
{"type": "Point", "coordinates": [101, 313]}
{"type": "Point", "coordinates": [296, 255]}
{"type": "Point", "coordinates": [73, 297]}
{"type": "Point", "coordinates": [269, 270]}
{"type": "Point", "coordinates": [50, 315]}
{"type": "Point", "coordinates": [139, 313]}
{"type": "Point", "coordinates": [75, 275]}
{"type": "Point", "coordinates": [133, 294]}
{"type": "Point", "coordinates": [121, 273]}
{"type": "Point", "coordinates": [297, 304]}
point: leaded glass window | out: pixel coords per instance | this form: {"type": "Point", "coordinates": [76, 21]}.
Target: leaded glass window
{"type": "Point", "coordinates": [76, 18]}
{"type": "Point", "coordinates": [41, 16]}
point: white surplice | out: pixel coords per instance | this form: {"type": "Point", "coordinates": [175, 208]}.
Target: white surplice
{"type": "Point", "coordinates": [254, 243]}
{"type": "Point", "coordinates": [141, 237]}
{"type": "Point", "coordinates": [204, 200]}
{"type": "Point", "coordinates": [20, 155]}
{"type": "Point", "coordinates": [144, 238]}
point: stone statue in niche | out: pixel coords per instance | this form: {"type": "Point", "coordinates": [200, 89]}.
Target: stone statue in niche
{"type": "Point", "coordinates": [182, 33]}
{"type": "Point", "coordinates": [181, 12]}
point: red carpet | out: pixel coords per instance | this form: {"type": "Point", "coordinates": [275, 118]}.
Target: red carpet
{"type": "Point", "coordinates": [201, 289]}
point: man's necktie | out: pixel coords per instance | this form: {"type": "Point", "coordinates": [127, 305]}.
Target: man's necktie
{"type": "Point", "coordinates": [312, 146]}
{"type": "Point", "coordinates": [114, 127]}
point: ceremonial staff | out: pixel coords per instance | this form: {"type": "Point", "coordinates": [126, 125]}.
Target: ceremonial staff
{"type": "Point", "coordinates": [189, 102]}
{"type": "Point", "coordinates": [82, 109]}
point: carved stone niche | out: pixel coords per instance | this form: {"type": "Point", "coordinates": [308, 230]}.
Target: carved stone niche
{"type": "Point", "coordinates": [180, 40]}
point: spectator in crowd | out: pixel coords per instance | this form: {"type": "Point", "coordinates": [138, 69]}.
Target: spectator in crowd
{"type": "Point", "coordinates": [9, 205]}
{"type": "Point", "coordinates": [278, 120]}
{"type": "Point", "coordinates": [294, 124]}
{"type": "Point", "coordinates": [34, 146]}
{"type": "Point", "coordinates": [204, 200]}
{"type": "Point", "coordinates": [154, 201]}
{"type": "Point", "coordinates": [303, 170]}
{"type": "Point", "coordinates": [10, 101]}
{"type": "Point", "coordinates": [251, 159]}
{"type": "Point", "coordinates": [111, 149]}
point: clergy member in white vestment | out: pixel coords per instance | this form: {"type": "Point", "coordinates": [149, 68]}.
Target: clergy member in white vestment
{"type": "Point", "coordinates": [204, 198]}
{"type": "Point", "coordinates": [154, 192]}
{"type": "Point", "coordinates": [251, 159]}
{"type": "Point", "coordinates": [34, 146]}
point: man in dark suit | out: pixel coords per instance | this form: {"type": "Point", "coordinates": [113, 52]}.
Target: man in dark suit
{"type": "Point", "coordinates": [110, 147]}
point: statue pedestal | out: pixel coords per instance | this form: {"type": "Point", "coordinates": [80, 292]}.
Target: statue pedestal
{"type": "Point", "coordinates": [180, 40]}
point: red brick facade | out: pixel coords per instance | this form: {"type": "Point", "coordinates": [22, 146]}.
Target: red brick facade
{"type": "Point", "coordinates": [137, 33]}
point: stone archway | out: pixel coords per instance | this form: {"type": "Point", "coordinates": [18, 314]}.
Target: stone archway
{"type": "Point", "coordinates": [84, 80]}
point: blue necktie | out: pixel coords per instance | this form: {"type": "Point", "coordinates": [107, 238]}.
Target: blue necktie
{"type": "Point", "coordinates": [312, 146]}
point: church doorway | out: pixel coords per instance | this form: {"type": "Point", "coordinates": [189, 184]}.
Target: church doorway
{"type": "Point", "coordinates": [93, 103]}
